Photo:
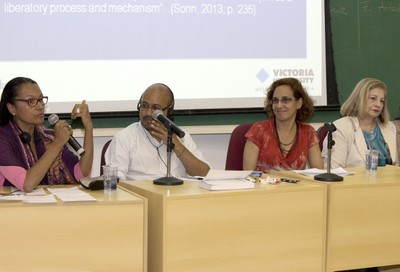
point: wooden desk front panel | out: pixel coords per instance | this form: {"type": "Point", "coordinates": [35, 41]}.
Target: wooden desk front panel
{"type": "Point", "coordinates": [363, 219]}
{"type": "Point", "coordinates": [277, 229]}
{"type": "Point", "coordinates": [83, 236]}
{"type": "Point", "coordinates": [364, 226]}
{"type": "Point", "coordinates": [253, 232]}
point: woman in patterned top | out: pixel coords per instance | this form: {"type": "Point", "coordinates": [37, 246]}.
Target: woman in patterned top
{"type": "Point", "coordinates": [30, 153]}
{"type": "Point", "coordinates": [283, 142]}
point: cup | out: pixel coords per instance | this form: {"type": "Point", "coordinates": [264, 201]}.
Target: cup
{"type": "Point", "coordinates": [371, 161]}
{"type": "Point", "coordinates": [110, 177]}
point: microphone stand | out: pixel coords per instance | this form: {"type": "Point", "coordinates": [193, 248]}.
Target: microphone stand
{"type": "Point", "coordinates": [169, 179]}
{"type": "Point", "coordinates": [329, 176]}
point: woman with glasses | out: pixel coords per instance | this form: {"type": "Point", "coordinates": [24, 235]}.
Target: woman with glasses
{"type": "Point", "coordinates": [30, 153]}
{"type": "Point", "coordinates": [365, 125]}
{"type": "Point", "coordinates": [283, 142]}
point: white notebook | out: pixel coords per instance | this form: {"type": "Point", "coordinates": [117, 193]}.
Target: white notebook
{"type": "Point", "coordinates": [226, 180]}
{"type": "Point", "coordinates": [217, 174]}
{"type": "Point", "coordinates": [238, 184]}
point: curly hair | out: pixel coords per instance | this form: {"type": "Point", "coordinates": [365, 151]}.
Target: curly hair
{"type": "Point", "coordinates": [307, 108]}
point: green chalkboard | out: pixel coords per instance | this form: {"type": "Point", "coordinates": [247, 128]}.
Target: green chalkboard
{"type": "Point", "coordinates": [366, 43]}
{"type": "Point", "coordinates": [321, 115]}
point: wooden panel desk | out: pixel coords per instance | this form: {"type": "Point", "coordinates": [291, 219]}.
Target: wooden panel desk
{"type": "Point", "coordinates": [109, 234]}
{"type": "Point", "coordinates": [364, 219]}
{"type": "Point", "coordinates": [269, 228]}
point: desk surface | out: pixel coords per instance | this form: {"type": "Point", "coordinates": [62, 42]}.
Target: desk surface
{"type": "Point", "coordinates": [109, 234]}
{"type": "Point", "coordinates": [118, 197]}
{"type": "Point", "coordinates": [268, 228]}
{"type": "Point", "coordinates": [384, 176]}
{"type": "Point", "coordinates": [192, 189]}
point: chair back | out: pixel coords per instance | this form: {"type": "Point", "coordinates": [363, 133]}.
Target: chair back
{"type": "Point", "coordinates": [103, 157]}
{"type": "Point", "coordinates": [234, 157]}
{"type": "Point", "coordinates": [322, 132]}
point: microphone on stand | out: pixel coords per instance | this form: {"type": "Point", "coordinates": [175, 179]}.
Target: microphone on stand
{"type": "Point", "coordinates": [329, 176]}
{"type": "Point", "coordinates": [172, 128]}
{"type": "Point", "coordinates": [53, 119]}
{"type": "Point", "coordinates": [158, 115]}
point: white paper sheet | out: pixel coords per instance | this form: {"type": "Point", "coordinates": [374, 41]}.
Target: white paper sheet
{"type": "Point", "coordinates": [216, 174]}
{"type": "Point", "coordinates": [237, 184]}
{"type": "Point", "coordinates": [38, 199]}
{"type": "Point", "coordinates": [10, 198]}
{"type": "Point", "coordinates": [35, 192]}
{"type": "Point", "coordinates": [314, 171]}
{"type": "Point", "coordinates": [71, 194]}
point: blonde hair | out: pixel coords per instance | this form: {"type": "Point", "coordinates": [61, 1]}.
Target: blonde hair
{"type": "Point", "coordinates": [355, 104]}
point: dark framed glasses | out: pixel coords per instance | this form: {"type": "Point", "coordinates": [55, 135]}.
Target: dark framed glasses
{"type": "Point", "coordinates": [32, 102]}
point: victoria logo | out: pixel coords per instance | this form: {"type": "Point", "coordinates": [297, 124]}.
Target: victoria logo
{"type": "Point", "coordinates": [262, 75]}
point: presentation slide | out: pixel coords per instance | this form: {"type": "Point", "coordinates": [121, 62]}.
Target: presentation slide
{"type": "Point", "coordinates": [213, 54]}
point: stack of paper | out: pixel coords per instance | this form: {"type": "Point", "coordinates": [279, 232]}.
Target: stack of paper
{"type": "Point", "coordinates": [226, 180]}
{"type": "Point", "coordinates": [314, 171]}
{"type": "Point", "coordinates": [39, 195]}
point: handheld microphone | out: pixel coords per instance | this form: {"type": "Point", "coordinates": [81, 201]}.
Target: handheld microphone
{"type": "Point", "coordinates": [158, 115]}
{"type": "Point", "coordinates": [53, 119]}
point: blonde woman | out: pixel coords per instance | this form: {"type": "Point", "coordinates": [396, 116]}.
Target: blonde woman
{"type": "Point", "coordinates": [365, 125]}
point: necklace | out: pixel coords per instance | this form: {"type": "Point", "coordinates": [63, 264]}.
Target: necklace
{"type": "Point", "coordinates": [291, 142]}
{"type": "Point", "coordinates": [285, 147]}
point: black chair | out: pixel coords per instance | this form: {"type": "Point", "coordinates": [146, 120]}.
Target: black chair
{"type": "Point", "coordinates": [322, 132]}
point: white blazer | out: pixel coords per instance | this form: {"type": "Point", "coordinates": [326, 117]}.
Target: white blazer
{"type": "Point", "coordinates": [350, 147]}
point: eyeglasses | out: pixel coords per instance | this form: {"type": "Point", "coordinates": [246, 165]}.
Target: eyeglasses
{"type": "Point", "coordinates": [146, 106]}
{"type": "Point", "coordinates": [284, 100]}
{"type": "Point", "coordinates": [32, 102]}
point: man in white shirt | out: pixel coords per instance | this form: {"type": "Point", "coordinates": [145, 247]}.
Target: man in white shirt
{"type": "Point", "coordinates": [140, 150]}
